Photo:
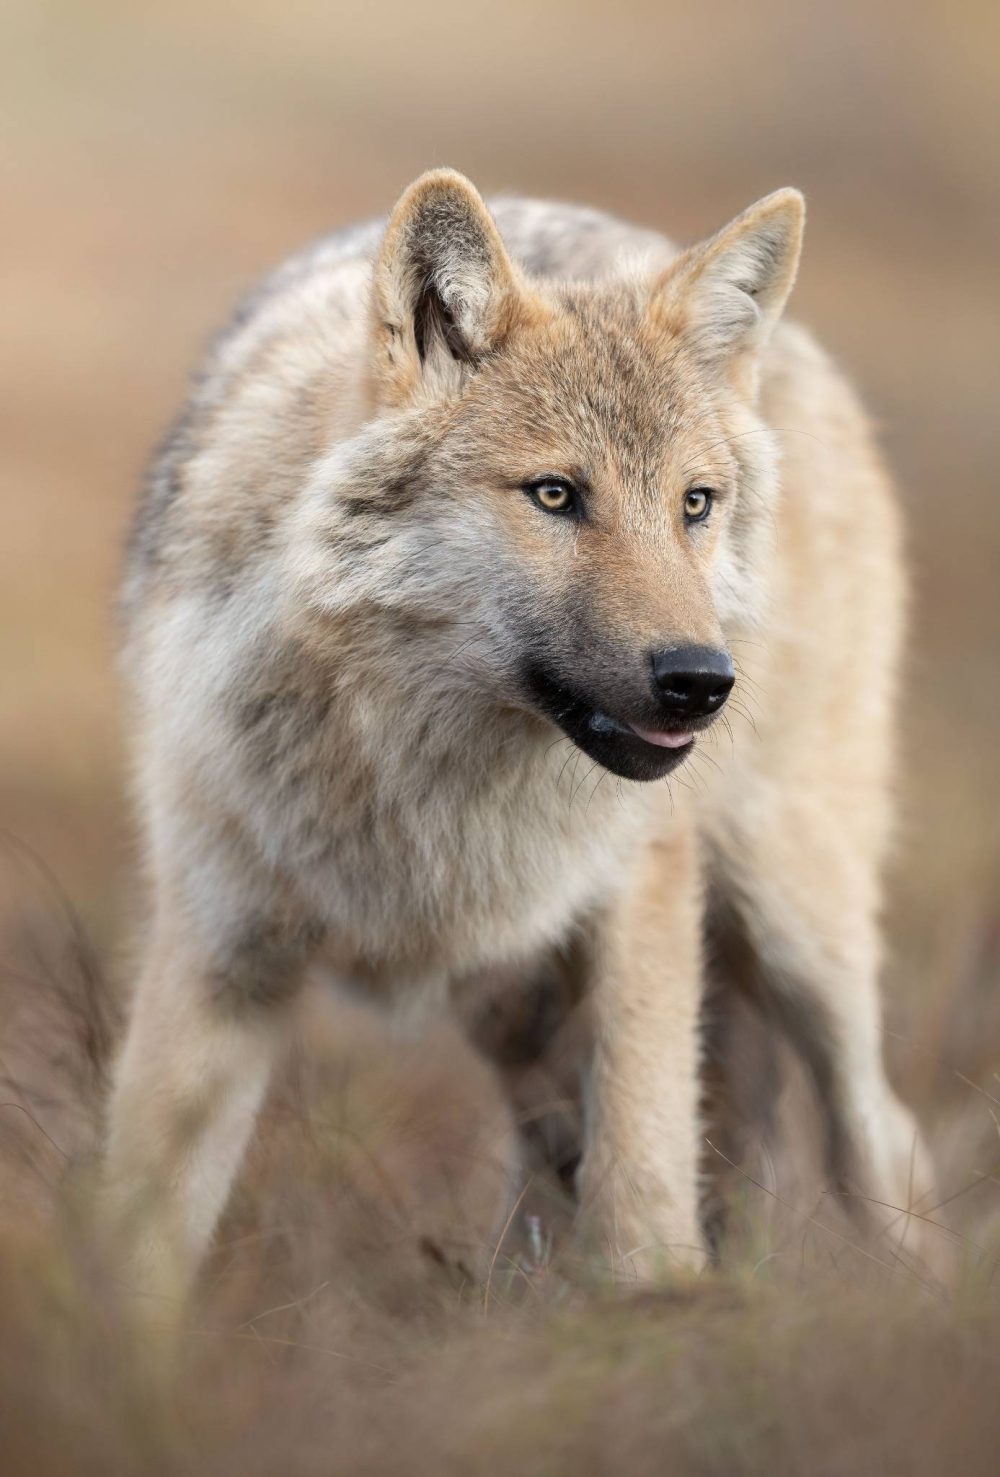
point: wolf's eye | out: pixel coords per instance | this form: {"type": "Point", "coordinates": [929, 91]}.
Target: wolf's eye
{"type": "Point", "coordinates": [697, 504]}
{"type": "Point", "coordinates": [554, 494]}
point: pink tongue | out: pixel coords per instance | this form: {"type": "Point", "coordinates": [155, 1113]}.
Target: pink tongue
{"type": "Point", "coordinates": [665, 740]}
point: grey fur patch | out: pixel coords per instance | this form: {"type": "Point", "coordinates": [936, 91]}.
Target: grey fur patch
{"type": "Point", "coordinates": [391, 498]}
{"type": "Point", "coordinates": [162, 488]}
{"type": "Point", "coordinates": [276, 723]}
{"type": "Point", "coordinates": [262, 965]}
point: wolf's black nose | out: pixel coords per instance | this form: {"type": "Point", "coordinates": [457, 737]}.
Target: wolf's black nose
{"type": "Point", "coordinates": [692, 681]}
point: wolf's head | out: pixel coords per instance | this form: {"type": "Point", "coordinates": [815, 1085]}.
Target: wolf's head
{"type": "Point", "coordinates": [572, 477]}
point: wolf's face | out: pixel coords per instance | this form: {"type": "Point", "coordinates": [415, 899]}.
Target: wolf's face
{"type": "Point", "coordinates": [589, 463]}
{"type": "Point", "coordinates": [600, 475]}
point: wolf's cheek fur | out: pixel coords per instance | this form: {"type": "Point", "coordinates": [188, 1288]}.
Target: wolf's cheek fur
{"type": "Point", "coordinates": [743, 559]}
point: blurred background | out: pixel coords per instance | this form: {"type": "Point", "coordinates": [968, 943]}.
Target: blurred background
{"type": "Point", "coordinates": [157, 158]}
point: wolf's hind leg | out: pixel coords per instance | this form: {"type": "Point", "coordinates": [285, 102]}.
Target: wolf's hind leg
{"type": "Point", "coordinates": [190, 1080]}
{"type": "Point", "coordinates": [806, 908]}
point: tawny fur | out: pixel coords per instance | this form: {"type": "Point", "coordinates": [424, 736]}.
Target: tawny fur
{"type": "Point", "coordinates": [334, 585]}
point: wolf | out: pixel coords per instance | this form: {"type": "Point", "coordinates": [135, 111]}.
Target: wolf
{"type": "Point", "coordinates": [483, 531]}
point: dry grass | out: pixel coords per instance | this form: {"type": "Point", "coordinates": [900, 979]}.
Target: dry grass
{"type": "Point", "coordinates": [362, 1313]}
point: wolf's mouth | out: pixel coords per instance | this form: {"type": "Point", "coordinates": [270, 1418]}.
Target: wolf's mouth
{"type": "Point", "coordinates": [630, 750]}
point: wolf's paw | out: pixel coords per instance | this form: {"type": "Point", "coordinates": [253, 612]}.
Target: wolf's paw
{"type": "Point", "coordinates": [904, 1207]}
{"type": "Point", "coordinates": [644, 1236]}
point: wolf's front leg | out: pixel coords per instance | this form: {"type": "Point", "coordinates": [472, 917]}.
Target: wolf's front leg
{"type": "Point", "coordinates": [639, 1176]}
{"type": "Point", "coordinates": [196, 1061]}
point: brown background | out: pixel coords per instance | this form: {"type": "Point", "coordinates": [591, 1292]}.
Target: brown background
{"type": "Point", "coordinates": [156, 158]}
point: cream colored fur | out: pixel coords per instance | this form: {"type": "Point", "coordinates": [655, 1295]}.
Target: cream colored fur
{"type": "Point", "coordinates": [335, 584]}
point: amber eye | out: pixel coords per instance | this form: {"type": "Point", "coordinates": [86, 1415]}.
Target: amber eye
{"type": "Point", "coordinates": [554, 494]}
{"type": "Point", "coordinates": [697, 504]}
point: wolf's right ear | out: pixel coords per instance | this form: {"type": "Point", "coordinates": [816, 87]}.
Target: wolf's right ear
{"type": "Point", "coordinates": [444, 294]}
{"type": "Point", "coordinates": [726, 294]}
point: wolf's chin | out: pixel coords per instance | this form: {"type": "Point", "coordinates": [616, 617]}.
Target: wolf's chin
{"type": "Point", "coordinates": [625, 749]}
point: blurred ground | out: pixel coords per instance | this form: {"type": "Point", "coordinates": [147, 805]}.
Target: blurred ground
{"type": "Point", "coordinates": [156, 159]}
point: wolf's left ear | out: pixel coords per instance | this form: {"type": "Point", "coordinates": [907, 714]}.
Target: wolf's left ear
{"type": "Point", "coordinates": [445, 292]}
{"type": "Point", "coordinates": [726, 294]}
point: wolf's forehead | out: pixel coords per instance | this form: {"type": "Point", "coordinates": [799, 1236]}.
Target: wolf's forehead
{"type": "Point", "coordinates": [597, 382]}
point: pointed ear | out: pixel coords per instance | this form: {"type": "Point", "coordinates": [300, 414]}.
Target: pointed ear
{"type": "Point", "coordinates": [445, 292]}
{"type": "Point", "coordinates": [726, 294]}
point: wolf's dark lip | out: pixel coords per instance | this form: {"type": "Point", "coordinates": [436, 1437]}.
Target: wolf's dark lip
{"type": "Point", "coordinates": [609, 740]}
